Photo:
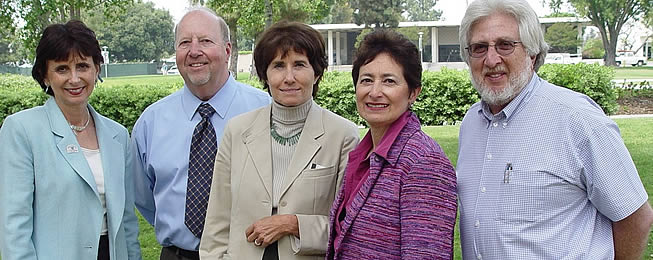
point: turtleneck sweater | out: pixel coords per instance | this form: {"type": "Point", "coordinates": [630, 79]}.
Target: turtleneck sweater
{"type": "Point", "coordinates": [286, 126]}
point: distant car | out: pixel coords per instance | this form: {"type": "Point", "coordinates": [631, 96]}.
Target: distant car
{"type": "Point", "coordinates": [173, 70]}
{"type": "Point", "coordinates": [562, 58]}
{"type": "Point", "coordinates": [630, 58]}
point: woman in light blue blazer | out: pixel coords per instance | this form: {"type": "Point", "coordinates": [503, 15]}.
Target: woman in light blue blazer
{"type": "Point", "coordinates": [65, 187]}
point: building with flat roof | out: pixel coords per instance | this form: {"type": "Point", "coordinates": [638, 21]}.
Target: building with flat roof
{"type": "Point", "coordinates": [440, 47]}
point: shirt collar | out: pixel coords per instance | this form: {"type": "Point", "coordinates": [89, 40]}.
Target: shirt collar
{"type": "Point", "coordinates": [514, 105]}
{"type": "Point", "coordinates": [386, 141]}
{"type": "Point", "coordinates": [391, 134]}
{"type": "Point", "coordinates": [221, 101]}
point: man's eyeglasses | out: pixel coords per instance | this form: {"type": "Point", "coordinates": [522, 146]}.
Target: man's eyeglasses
{"type": "Point", "coordinates": [503, 48]}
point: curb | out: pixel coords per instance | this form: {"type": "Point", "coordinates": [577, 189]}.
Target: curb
{"type": "Point", "coordinates": [631, 116]}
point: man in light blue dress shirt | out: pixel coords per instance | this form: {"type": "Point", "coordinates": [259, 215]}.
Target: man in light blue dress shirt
{"type": "Point", "coordinates": [162, 135]}
{"type": "Point", "coordinates": [542, 172]}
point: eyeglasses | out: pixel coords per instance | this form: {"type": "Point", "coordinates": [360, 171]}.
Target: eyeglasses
{"type": "Point", "coordinates": [503, 48]}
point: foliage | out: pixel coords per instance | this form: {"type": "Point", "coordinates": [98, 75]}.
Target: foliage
{"type": "Point", "coordinates": [337, 94]}
{"type": "Point", "coordinates": [245, 16]}
{"type": "Point", "coordinates": [593, 49]}
{"type": "Point", "coordinates": [11, 50]}
{"type": "Point", "coordinates": [422, 10]}
{"type": "Point", "coordinates": [34, 16]}
{"type": "Point", "coordinates": [446, 96]}
{"type": "Point", "coordinates": [126, 103]}
{"type": "Point", "coordinates": [341, 12]}
{"type": "Point", "coordinates": [381, 13]}
{"type": "Point", "coordinates": [142, 33]}
{"type": "Point", "coordinates": [593, 80]}
{"type": "Point", "coordinates": [610, 16]}
{"type": "Point", "coordinates": [562, 37]}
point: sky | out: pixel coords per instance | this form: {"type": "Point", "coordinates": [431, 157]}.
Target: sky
{"type": "Point", "coordinates": [453, 10]}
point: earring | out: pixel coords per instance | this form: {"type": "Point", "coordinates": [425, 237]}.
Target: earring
{"type": "Point", "coordinates": [47, 89]}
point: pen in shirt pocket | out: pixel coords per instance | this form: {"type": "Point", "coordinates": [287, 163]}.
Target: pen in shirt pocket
{"type": "Point", "coordinates": [507, 172]}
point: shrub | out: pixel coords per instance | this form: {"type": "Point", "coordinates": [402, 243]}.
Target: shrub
{"type": "Point", "coordinates": [592, 80]}
{"type": "Point", "coordinates": [126, 103]}
{"type": "Point", "coordinates": [338, 95]}
{"type": "Point", "coordinates": [446, 96]}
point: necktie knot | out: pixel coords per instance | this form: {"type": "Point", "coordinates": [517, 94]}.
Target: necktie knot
{"type": "Point", "coordinates": [206, 110]}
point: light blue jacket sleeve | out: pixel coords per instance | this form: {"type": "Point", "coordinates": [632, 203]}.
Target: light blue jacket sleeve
{"type": "Point", "coordinates": [16, 192]}
{"type": "Point", "coordinates": [143, 182]}
{"type": "Point", "coordinates": [130, 220]}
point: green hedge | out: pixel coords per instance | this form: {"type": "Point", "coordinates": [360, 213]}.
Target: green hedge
{"type": "Point", "coordinates": [446, 94]}
{"type": "Point", "coordinates": [593, 80]}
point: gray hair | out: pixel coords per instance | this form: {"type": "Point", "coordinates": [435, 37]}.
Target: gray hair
{"type": "Point", "coordinates": [530, 30]}
{"type": "Point", "coordinates": [224, 28]}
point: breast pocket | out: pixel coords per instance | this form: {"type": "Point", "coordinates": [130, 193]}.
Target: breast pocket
{"type": "Point", "coordinates": [319, 173]}
{"type": "Point", "coordinates": [522, 197]}
{"type": "Point", "coordinates": [321, 183]}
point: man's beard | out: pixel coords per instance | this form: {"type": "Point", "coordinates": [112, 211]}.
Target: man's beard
{"type": "Point", "coordinates": [516, 82]}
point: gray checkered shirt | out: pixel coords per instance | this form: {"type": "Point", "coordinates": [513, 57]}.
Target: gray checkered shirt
{"type": "Point", "coordinates": [544, 178]}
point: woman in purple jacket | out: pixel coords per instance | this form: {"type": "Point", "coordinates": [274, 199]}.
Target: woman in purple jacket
{"type": "Point", "coordinates": [398, 197]}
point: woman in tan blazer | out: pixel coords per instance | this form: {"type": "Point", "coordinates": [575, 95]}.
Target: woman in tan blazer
{"type": "Point", "coordinates": [278, 168]}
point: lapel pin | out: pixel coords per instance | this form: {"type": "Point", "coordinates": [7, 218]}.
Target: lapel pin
{"type": "Point", "coordinates": [71, 148]}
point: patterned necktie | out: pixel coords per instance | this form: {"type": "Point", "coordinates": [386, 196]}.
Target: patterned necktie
{"type": "Point", "coordinates": [203, 147]}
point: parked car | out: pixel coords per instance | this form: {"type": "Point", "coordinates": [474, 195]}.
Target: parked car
{"type": "Point", "coordinates": [173, 70]}
{"type": "Point", "coordinates": [630, 58]}
{"type": "Point", "coordinates": [562, 58]}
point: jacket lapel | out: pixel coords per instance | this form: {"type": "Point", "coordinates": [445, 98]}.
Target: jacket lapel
{"type": "Point", "coordinates": [306, 148]}
{"type": "Point", "coordinates": [68, 145]}
{"type": "Point", "coordinates": [376, 165]}
{"type": "Point", "coordinates": [113, 164]}
{"type": "Point", "coordinates": [257, 141]}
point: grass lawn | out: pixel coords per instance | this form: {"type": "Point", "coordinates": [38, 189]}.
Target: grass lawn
{"type": "Point", "coordinates": [634, 131]}
{"type": "Point", "coordinates": [634, 72]}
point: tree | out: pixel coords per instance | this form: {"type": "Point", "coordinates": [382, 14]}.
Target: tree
{"type": "Point", "coordinates": [593, 49]}
{"type": "Point", "coordinates": [422, 10]}
{"type": "Point", "coordinates": [610, 16]}
{"type": "Point", "coordinates": [562, 37]}
{"type": "Point", "coordinates": [245, 16]}
{"type": "Point", "coordinates": [341, 12]}
{"type": "Point", "coordinates": [381, 13]}
{"type": "Point", "coordinates": [141, 33]}
{"type": "Point", "coordinates": [35, 15]}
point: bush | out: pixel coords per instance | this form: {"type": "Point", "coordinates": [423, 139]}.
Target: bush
{"type": "Point", "coordinates": [592, 80]}
{"type": "Point", "coordinates": [446, 95]}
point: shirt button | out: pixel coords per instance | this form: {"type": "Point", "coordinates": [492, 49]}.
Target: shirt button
{"type": "Point", "coordinates": [479, 257]}
{"type": "Point", "coordinates": [477, 223]}
{"type": "Point", "coordinates": [283, 203]}
{"type": "Point", "coordinates": [495, 124]}
{"type": "Point", "coordinates": [489, 156]}
{"type": "Point", "coordinates": [482, 189]}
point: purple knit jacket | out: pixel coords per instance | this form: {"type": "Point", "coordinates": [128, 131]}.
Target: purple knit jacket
{"type": "Point", "coordinates": [405, 209]}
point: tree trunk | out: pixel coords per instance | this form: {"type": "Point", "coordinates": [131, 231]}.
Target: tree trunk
{"type": "Point", "coordinates": [268, 13]}
{"type": "Point", "coordinates": [233, 30]}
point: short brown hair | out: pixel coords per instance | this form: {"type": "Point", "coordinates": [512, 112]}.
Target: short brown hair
{"type": "Point", "coordinates": [281, 38]}
{"type": "Point", "coordinates": [58, 42]}
{"type": "Point", "coordinates": [402, 51]}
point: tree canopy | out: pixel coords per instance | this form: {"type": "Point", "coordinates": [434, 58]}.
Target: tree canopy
{"type": "Point", "coordinates": [610, 16]}
{"type": "Point", "coordinates": [141, 33]}
{"type": "Point", "coordinates": [562, 37]}
{"type": "Point", "coordinates": [37, 14]}
{"type": "Point", "coordinates": [381, 13]}
{"type": "Point", "coordinates": [422, 10]}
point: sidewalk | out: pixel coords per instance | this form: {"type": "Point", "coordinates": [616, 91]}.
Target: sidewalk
{"type": "Point", "coordinates": [630, 116]}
